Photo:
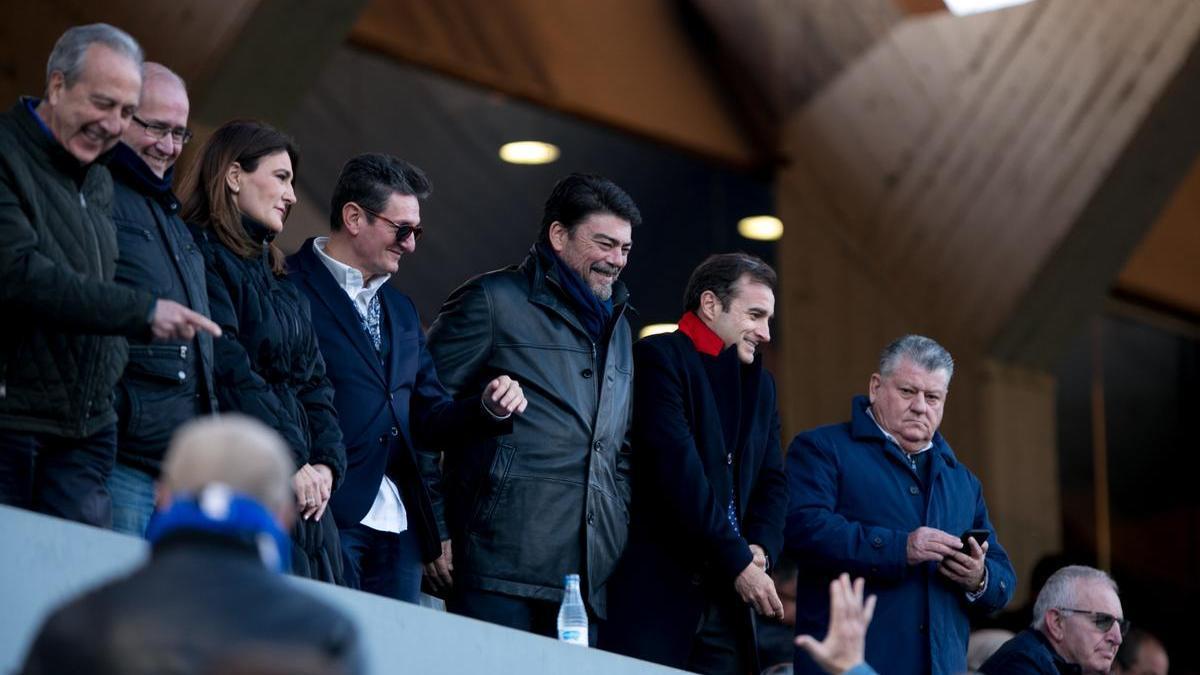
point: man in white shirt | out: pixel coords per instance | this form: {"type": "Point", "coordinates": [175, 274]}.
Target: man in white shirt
{"type": "Point", "coordinates": [387, 393]}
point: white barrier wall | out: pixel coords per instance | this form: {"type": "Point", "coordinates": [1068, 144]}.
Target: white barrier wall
{"type": "Point", "coordinates": [45, 561]}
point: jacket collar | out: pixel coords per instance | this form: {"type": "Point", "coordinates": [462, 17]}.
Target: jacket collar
{"type": "Point", "coordinates": [544, 289]}
{"type": "Point", "coordinates": [864, 428]}
{"type": "Point", "coordinates": [131, 170]}
{"type": "Point", "coordinates": [318, 277]}
{"type": "Point", "coordinates": [703, 338]}
{"type": "Point", "coordinates": [258, 233]}
{"type": "Point", "coordinates": [35, 132]}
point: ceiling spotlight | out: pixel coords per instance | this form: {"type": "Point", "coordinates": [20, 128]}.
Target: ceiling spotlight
{"type": "Point", "coordinates": [529, 152]}
{"type": "Point", "coordinates": [656, 328]}
{"type": "Point", "coordinates": [965, 7]}
{"type": "Point", "coordinates": [761, 228]}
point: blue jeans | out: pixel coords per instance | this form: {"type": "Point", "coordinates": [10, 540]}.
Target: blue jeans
{"type": "Point", "coordinates": [59, 476]}
{"type": "Point", "coordinates": [383, 563]}
{"type": "Point", "coordinates": [132, 493]}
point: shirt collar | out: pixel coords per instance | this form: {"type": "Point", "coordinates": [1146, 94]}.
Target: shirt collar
{"type": "Point", "coordinates": [703, 337]}
{"type": "Point", "coordinates": [871, 414]}
{"type": "Point", "coordinates": [350, 279]}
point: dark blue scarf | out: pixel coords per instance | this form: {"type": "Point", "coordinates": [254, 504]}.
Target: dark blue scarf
{"type": "Point", "coordinates": [220, 510]}
{"type": "Point", "coordinates": [128, 166]}
{"type": "Point", "coordinates": [591, 311]}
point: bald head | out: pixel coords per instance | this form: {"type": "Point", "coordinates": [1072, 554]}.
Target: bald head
{"type": "Point", "coordinates": [157, 133]}
{"type": "Point", "coordinates": [235, 450]}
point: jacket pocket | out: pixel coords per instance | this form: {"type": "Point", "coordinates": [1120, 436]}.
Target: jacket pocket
{"type": "Point", "coordinates": [162, 364]}
{"type": "Point", "coordinates": [491, 491]}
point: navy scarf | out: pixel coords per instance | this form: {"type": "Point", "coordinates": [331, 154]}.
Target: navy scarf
{"type": "Point", "coordinates": [591, 311]}
{"type": "Point", "coordinates": [219, 510]}
{"type": "Point", "coordinates": [132, 169]}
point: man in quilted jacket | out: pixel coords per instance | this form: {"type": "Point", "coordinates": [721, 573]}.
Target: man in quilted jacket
{"type": "Point", "coordinates": [63, 345]}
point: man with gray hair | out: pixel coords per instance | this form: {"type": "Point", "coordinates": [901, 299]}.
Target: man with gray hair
{"type": "Point", "coordinates": [884, 497]}
{"type": "Point", "coordinates": [212, 588]}
{"type": "Point", "coordinates": [1077, 627]}
{"type": "Point", "coordinates": [63, 346]}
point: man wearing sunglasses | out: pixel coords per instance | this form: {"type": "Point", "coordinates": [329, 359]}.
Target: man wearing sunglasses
{"type": "Point", "coordinates": [1077, 627]}
{"type": "Point", "coordinates": [386, 391]}
{"type": "Point", "coordinates": [165, 383]}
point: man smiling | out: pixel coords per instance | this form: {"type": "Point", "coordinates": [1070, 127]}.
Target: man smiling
{"type": "Point", "coordinates": [551, 497]}
{"type": "Point", "coordinates": [165, 383]}
{"type": "Point", "coordinates": [884, 497]}
{"type": "Point", "coordinates": [64, 346]}
{"type": "Point", "coordinates": [709, 491]}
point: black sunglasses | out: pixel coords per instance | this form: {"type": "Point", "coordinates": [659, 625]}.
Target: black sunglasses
{"type": "Point", "coordinates": [400, 231]}
{"type": "Point", "coordinates": [1103, 621]}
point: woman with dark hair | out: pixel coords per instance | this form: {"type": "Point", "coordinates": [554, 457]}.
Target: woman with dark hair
{"type": "Point", "coordinates": [267, 363]}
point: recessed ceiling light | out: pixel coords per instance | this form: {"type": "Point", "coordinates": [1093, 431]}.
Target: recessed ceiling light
{"type": "Point", "coordinates": [761, 228]}
{"type": "Point", "coordinates": [528, 152]}
{"type": "Point", "coordinates": [964, 7]}
{"type": "Point", "coordinates": [656, 328]}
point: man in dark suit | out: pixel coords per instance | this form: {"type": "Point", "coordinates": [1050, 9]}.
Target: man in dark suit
{"type": "Point", "coordinates": [387, 393]}
{"type": "Point", "coordinates": [709, 495]}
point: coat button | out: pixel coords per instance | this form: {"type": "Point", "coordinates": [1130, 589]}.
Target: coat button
{"type": "Point", "coordinates": [395, 431]}
{"type": "Point", "coordinates": [391, 396]}
{"type": "Point", "coordinates": [729, 458]}
{"type": "Point", "coordinates": [877, 542]}
{"type": "Point", "coordinates": [182, 376]}
{"type": "Point", "coordinates": [597, 446]}
{"type": "Point", "coordinates": [913, 489]}
{"type": "Point", "coordinates": [587, 373]}
{"type": "Point", "coordinates": [591, 518]}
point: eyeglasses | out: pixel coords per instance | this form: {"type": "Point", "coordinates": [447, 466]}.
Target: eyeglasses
{"type": "Point", "coordinates": [159, 131]}
{"type": "Point", "coordinates": [401, 232]}
{"type": "Point", "coordinates": [1103, 621]}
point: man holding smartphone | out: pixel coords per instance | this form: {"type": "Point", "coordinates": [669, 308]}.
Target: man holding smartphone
{"type": "Point", "coordinates": [885, 498]}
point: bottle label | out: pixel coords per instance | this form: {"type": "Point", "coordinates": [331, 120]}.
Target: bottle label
{"type": "Point", "coordinates": [573, 636]}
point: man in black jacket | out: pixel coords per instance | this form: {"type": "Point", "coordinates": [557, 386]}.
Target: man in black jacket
{"type": "Point", "coordinates": [709, 490]}
{"type": "Point", "coordinates": [550, 498]}
{"type": "Point", "coordinates": [211, 592]}
{"type": "Point", "coordinates": [63, 345]}
{"type": "Point", "coordinates": [165, 383]}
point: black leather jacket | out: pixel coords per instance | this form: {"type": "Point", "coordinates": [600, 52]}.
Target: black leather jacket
{"type": "Point", "coordinates": [165, 383]}
{"type": "Point", "coordinates": [552, 497]}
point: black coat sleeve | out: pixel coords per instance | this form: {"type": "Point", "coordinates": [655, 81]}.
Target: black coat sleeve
{"type": "Point", "coordinates": [766, 509]}
{"type": "Point", "coordinates": [668, 459]}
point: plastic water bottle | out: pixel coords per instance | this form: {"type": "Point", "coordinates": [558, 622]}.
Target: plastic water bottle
{"type": "Point", "coordinates": [572, 617]}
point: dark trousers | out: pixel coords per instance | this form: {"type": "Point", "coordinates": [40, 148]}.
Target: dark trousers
{"type": "Point", "coordinates": [720, 643]}
{"type": "Point", "coordinates": [527, 614]}
{"type": "Point", "coordinates": [58, 476]}
{"type": "Point", "coordinates": [383, 563]}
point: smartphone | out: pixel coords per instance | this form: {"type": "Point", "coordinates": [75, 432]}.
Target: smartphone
{"type": "Point", "coordinates": [979, 535]}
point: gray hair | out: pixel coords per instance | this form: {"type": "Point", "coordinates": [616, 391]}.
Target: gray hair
{"type": "Point", "coordinates": [68, 52]}
{"type": "Point", "coordinates": [923, 351]}
{"type": "Point", "coordinates": [152, 70]}
{"type": "Point", "coordinates": [1061, 590]}
{"type": "Point", "coordinates": [233, 449]}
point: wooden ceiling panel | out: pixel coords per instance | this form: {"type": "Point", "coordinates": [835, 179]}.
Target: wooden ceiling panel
{"type": "Point", "coordinates": [1165, 267]}
{"type": "Point", "coordinates": [625, 63]}
{"type": "Point", "coordinates": [961, 176]}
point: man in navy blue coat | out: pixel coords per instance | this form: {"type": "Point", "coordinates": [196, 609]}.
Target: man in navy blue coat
{"type": "Point", "coordinates": [883, 497]}
{"type": "Point", "coordinates": [709, 494]}
{"type": "Point", "coordinates": [386, 391]}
